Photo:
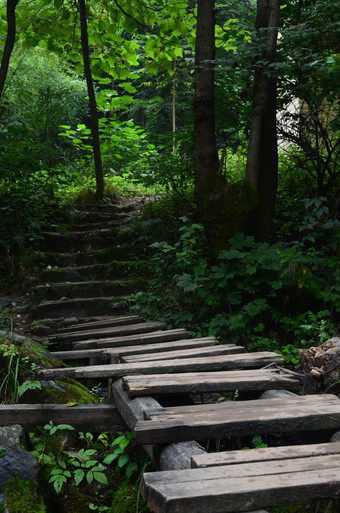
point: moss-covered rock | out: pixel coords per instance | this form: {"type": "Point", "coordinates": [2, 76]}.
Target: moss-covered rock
{"type": "Point", "coordinates": [22, 495]}
{"type": "Point", "coordinates": [125, 499]}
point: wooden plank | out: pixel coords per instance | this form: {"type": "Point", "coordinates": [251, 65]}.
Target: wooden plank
{"type": "Point", "coordinates": [76, 354]}
{"type": "Point", "coordinates": [205, 382]}
{"type": "Point", "coordinates": [239, 419]}
{"type": "Point", "coordinates": [264, 454]}
{"type": "Point", "coordinates": [83, 354]}
{"type": "Point", "coordinates": [173, 456]}
{"type": "Point", "coordinates": [185, 353]}
{"type": "Point", "coordinates": [113, 321]}
{"type": "Point", "coordinates": [243, 487]}
{"type": "Point", "coordinates": [249, 406]}
{"type": "Point", "coordinates": [115, 331]}
{"type": "Point", "coordinates": [148, 338]}
{"type": "Point", "coordinates": [83, 417]}
{"type": "Point", "coordinates": [223, 362]}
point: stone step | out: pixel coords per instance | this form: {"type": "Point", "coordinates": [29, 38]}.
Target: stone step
{"type": "Point", "coordinates": [112, 270]}
{"type": "Point", "coordinates": [81, 307]}
{"type": "Point", "coordinates": [86, 289]}
{"type": "Point", "coordinates": [79, 241]}
{"type": "Point", "coordinates": [82, 258]}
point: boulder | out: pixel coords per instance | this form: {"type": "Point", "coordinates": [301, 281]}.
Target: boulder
{"type": "Point", "coordinates": [14, 460]}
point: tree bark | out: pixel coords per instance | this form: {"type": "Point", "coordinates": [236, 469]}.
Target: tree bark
{"type": "Point", "coordinates": [9, 44]}
{"type": "Point", "coordinates": [223, 206]}
{"type": "Point", "coordinates": [262, 159]}
{"type": "Point", "coordinates": [92, 99]}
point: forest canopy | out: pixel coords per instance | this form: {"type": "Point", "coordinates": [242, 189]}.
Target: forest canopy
{"type": "Point", "coordinates": [232, 106]}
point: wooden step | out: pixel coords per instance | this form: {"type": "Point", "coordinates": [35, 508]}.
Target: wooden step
{"type": "Point", "coordinates": [198, 352]}
{"type": "Point", "coordinates": [222, 362]}
{"type": "Point", "coordinates": [239, 418]}
{"type": "Point", "coordinates": [245, 487]}
{"type": "Point", "coordinates": [105, 323]}
{"type": "Point", "coordinates": [147, 338]}
{"type": "Point", "coordinates": [110, 254]}
{"type": "Point", "coordinates": [207, 382]}
{"type": "Point", "coordinates": [111, 331]}
{"type": "Point", "coordinates": [112, 270]}
{"type": "Point", "coordinates": [264, 454]}
{"type": "Point", "coordinates": [80, 416]}
{"type": "Point", "coordinates": [76, 354]}
{"type": "Point", "coordinates": [86, 289]}
{"type": "Point", "coordinates": [81, 307]}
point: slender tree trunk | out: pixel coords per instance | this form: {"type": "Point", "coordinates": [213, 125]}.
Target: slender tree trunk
{"type": "Point", "coordinates": [92, 99]}
{"type": "Point", "coordinates": [206, 156]}
{"type": "Point", "coordinates": [9, 44]}
{"type": "Point", "coordinates": [262, 159]}
{"type": "Point", "coordinates": [223, 206]}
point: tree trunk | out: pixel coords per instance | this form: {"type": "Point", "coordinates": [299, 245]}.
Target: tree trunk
{"type": "Point", "coordinates": [92, 99]}
{"type": "Point", "coordinates": [223, 207]}
{"type": "Point", "coordinates": [9, 44]}
{"type": "Point", "coordinates": [262, 159]}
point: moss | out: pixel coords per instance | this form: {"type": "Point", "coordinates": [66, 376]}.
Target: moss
{"type": "Point", "coordinates": [21, 495]}
{"type": "Point", "coordinates": [60, 392]}
{"type": "Point", "coordinates": [125, 499]}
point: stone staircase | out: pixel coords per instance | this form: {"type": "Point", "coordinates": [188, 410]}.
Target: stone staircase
{"type": "Point", "coordinates": [89, 270]}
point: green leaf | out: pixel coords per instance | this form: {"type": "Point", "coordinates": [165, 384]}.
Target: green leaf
{"type": "Point", "coordinates": [124, 458]}
{"type": "Point", "coordinates": [78, 476]}
{"type": "Point", "coordinates": [100, 477]}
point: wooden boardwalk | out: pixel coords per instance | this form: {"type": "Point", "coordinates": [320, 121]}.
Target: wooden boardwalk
{"type": "Point", "coordinates": [159, 380]}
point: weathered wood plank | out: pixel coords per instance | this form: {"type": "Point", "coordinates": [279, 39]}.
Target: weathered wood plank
{"type": "Point", "coordinates": [77, 354]}
{"type": "Point", "coordinates": [264, 454]}
{"type": "Point", "coordinates": [115, 331]}
{"type": "Point", "coordinates": [173, 456]}
{"type": "Point", "coordinates": [185, 353]}
{"type": "Point", "coordinates": [157, 336]}
{"type": "Point", "coordinates": [205, 382]}
{"type": "Point", "coordinates": [106, 323]}
{"type": "Point", "coordinates": [83, 354]}
{"type": "Point", "coordinates": [241, 488]}
{"type": "Point", "coordinates": [223, 362]}
{"type": "Point", "coordinates": [89, 417]}
{"type": "Point", "coordinates": [238, 419]}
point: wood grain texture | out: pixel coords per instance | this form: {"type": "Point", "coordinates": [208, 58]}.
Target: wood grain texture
{"type": "Point", "coordinates": [111, 331]}
{"type": "Point", "coordinates": [147, 338]}
{"type": "Point", "coordinates": [239, 418]}
{"type": "Point", "coordinates": [264, 454]}
{"type": "Point", "coordinates": [89, 417]}
{"type": "Point", "coordinates": [223, 362]}
{"type": "Point", "coordinates": [205, 382]}
{"type": "Point", "coordinates": [185, 353]}
{"type": "Point", "coordinates": [113, 321]}
{"type": "Point", "coordinates": [137, 349]}
{"type": "Point", "coordinates": [243, 487]}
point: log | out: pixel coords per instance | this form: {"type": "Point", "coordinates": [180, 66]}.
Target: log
{"type": "Point", "coordinates": [95, 418]}
{"type": "Point", "coordinates": [239, 418]}
{"type": "Point", "coordinates": [206, 382]}
{"type": "Point", "coordinates": [185, 353]}
{"type": "Point", "coordinates": [157, 336]}
{"type": "Point", "coordinates": [216, 363]}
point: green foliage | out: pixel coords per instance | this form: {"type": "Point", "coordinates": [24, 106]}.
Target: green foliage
{"type": "Point", "coordinates": [21, 495]}
{"type": "Point", "coordinates": [13, 369]}
{"type": "Point", "coordinates": [264, 296]}
{"type": "Point", "coordinates": [119, 452]}
{"type": "Point", "coordinates": [41, 94]}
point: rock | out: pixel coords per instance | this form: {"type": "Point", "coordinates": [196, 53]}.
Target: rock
{"type": "Point", "coordinates": [336, 437]}
{"type": "Point", "coordinates": [322, 364]}
{"type": "Point", "coordinates": [15, 461]}
{"type": "Point", "coordinates": [5, 302]}
{"type": "Point", "coordinates": [273, 394]}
